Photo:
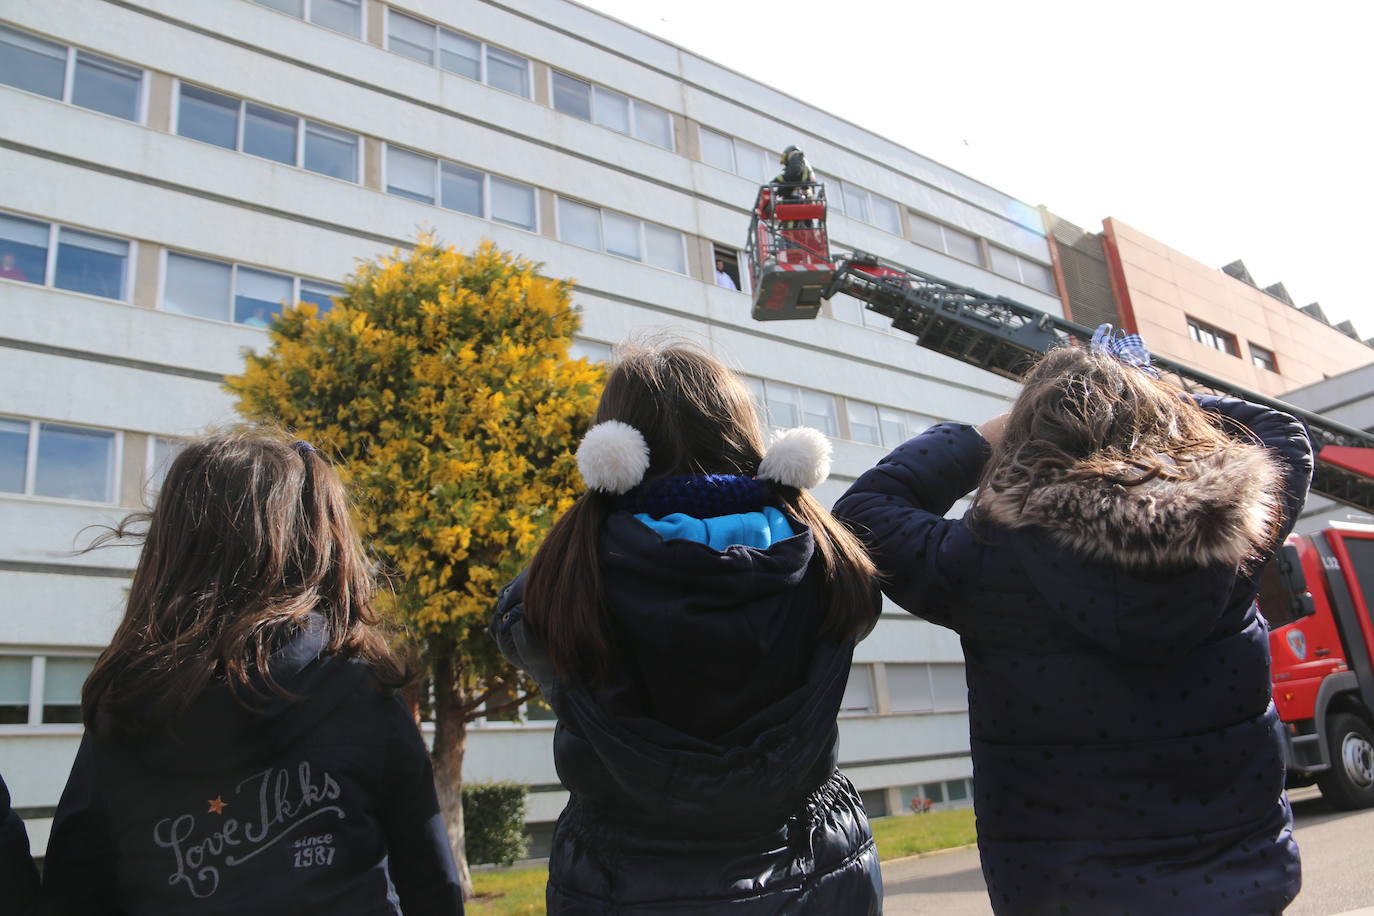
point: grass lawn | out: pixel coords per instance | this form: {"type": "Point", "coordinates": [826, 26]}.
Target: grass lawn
{"type": "Point", "coordinates": [520, 891]}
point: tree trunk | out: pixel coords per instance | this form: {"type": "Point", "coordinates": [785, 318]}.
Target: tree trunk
{"type": "Point", "coordinates": [450, 744]}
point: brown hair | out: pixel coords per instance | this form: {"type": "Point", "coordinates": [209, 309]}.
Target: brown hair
{"type": "Point", "coordinates": [248, 536]}
{"type": "Point", "coordinates": [697, 418]}
{"type": "Point", "coordinates": [1083, 414]}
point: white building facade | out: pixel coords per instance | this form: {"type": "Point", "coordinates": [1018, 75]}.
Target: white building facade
{"type": "Point", "coordinates": [175, 169]}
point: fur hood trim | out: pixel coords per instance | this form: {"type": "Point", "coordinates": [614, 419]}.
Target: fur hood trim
{"type": "Point", "coordinates": [1222, 512]}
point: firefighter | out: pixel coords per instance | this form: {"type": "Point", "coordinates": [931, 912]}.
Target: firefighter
{"type": "Point", "coordinates": [795, 171]}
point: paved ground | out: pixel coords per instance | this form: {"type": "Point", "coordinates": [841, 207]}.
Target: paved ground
{"type": "Point", "coordinates": [1337, 860]}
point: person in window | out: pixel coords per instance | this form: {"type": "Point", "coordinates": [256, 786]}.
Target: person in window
{"type": "Point", "coordinates": [722, 278]}
{"type": "Point", "coordinates": [1124, 741]}
{"type": "Point", "coordinates": [245, 749]}
{"type": "Point", "coordinates": [259, 318]}
{"type": "Point", "coordinates": [9, 270]}
{"type": "Point", "coordinates": [691, 621]}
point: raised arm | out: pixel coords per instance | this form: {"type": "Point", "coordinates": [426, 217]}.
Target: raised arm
{"type": "Point", "coordinates": [1285, 437]}
{"type": "Point", "coordinates": [897, 508]}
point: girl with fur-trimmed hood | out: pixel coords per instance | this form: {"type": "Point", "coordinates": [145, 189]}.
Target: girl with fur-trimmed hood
{"type": "Point", "coordinates": [1125, 748]}
{"type": "Point", "coordinates": [691, 620]}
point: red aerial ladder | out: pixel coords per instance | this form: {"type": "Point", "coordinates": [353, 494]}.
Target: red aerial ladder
{"type": "Point", "coordinates": [1318, 595]}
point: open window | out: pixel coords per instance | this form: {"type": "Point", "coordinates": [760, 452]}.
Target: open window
{"type": "Point", "coordinates": [725, 267]}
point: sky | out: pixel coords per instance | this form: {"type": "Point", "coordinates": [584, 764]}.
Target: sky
{"type": "Point", "coordinates": [1223, 129]}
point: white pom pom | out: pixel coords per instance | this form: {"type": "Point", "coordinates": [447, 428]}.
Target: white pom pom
{"type": "Point", "coordinates": [797, 458]}
{"type": "Point", "coordinates": [613, 457]}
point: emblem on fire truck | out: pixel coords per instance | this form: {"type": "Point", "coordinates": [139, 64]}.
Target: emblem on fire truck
{"type": "Point", "coordinates": [1297, 641]}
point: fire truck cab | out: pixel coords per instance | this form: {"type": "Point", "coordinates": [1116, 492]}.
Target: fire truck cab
{"type": "Point", "coordinates": [1318, 597]}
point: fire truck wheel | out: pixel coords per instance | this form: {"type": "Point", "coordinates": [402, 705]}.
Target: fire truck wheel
{"type": "Point", "coordinates": [1350, 781]}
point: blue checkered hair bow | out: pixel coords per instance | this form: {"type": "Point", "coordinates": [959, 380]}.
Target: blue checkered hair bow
{"type": "Point", "coordinates": [1128, 348]}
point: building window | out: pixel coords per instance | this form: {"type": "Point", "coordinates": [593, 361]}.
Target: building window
{"type": "Point", "coordinates": [430, 44]}
{"type": "Point", "coordinates": [725, 268]}
{"type": "Point", "coordinates": [93, 264]}
{"type": "Point", "coordinates": [950, 793]}
{"type": "Point", "coordinates": [66, 258]}
{"type": "Point", "coordinates": [865, 206]}
{"type": "Point", "coordinates": [611, 109]}
{"type": "Point", "coordinates": [1212, 337]}
{"type": "Point", "coordinates": [340, 15]}
{"type": "Point", "coordinates": [57, 460]}
{"type": "Point", "coordinates": [512, 203]}
{"type": "Point", "coordinates": [733, 155]}
{"type": "Point", "coordinates": [1022, 270]}
{"type": "Point", "coordinates": [944, 238]}
{"type": "Point", "coordinates": [863, 422]}
{"type": "Point", "coordinates": [455, 187]}
{"type": "Point", "coordinates": [24, 247]}
{"type": "Point", "coordinates": [37, 65]}
{"type": "Point", "coordinates": [626, 236]}
{"type": "Point", "coordinates": [785, 406]}
{"type": "Point", "coordinates": [321, 295]}
{"type": "Point", "coordinates": [231, 123]}
{"type": "Point", "coordinates": [161, 453]}
{"type": "Point", "coordinates": [1263, 358]}
{"type": "Point", "coordinates": [886, 426]}
{"type": "Point", "coordinates": [926, 688]}
{"type": "Point", "coordinates": [590, 350]}
{"type": "Point", "coordinates": [42, 689]}
{"type": "Point", "coordinates": [858, 692]}
{"type": "Point", "coordinates": [230, 292]}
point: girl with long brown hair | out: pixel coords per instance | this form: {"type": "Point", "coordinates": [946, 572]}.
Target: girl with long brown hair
{"type": "Point", "coordinates": [691, 621]}
{"type": "Point", "coordinates": [1125, 748]}
{"type": "Point", "coordinates": [245, 750]}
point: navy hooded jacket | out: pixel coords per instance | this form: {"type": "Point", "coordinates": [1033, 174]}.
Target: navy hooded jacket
{"type": "Point", "coordinates": [322, 804]}
{"type": "Point", "coordinates": [18, 877]}
{"type": "Point", "coordinates": [1125, 747]}
{"type": "Point", "coordinates": [702, 770]}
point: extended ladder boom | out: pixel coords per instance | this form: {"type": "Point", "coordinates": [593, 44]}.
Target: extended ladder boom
{"type": "Point", "coordinates": [996, 333]}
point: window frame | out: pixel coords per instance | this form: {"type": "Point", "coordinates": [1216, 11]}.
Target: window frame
{"type": "Point", "coordinates": [49, 280]}
{"type": "Point", "coordinates": [1263, 357]}
{"type": "Point", "coordinates": [438, 174]}
{"type": "Point", "coordinates": [303, 125]}
{"type": "Point", "coordinates": [37, 689]}
{"type": "Point", "coordinates": [1019, 261]}
{"type": "Point", "coordinates": [642, 233]}
{"type": "Point", "coordinates": [1199, 331]}
{"type": "Point", "coordinates": [483, 66]}
{"type": "Point", "coordinates": [69, 78]}
{"type": "Point", "coordinates": [632, 105]}
{"type": "Point", "coordinates": [307, 13]}
{"type": "Point", "coordinates": [115, 474]}
{"type": "Point", "coordinates": [297, 281]}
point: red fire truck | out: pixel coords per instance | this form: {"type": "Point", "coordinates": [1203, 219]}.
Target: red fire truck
{"type": "Point", "coordinates": [1317, 595]}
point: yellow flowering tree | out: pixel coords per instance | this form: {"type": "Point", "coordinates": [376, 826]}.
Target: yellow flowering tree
{"type": "Point", "coordinates": [441, 386]}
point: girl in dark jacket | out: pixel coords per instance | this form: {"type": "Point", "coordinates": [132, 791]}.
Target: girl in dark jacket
{"type": "Point", "coordinates": [244, 751]}
{"type": "Point", "coordinates": [1125, 750]}
{"type": "Point", "coordinates": [691, 620]}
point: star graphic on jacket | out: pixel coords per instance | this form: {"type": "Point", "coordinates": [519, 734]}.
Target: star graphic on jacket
{"type": "Point", "coordinates": [217, 805]}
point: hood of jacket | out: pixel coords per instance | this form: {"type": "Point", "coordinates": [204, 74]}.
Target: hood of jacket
{"type": "Point", "coordinates": [720, 705]}
{"type": "Point", "coordinates": [1221, 510]}
{"type": "Point", "coordinates": [1147, 570]}
{"type": "Point", "coordinates": [220, 731]}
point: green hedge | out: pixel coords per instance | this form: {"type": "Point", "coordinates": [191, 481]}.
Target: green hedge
{"type": "Point", "coordinates": [494, 821]}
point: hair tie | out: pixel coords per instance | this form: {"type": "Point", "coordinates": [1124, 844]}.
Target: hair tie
{"type": "Point", "coordinates": [613, 457]}
{"type": "Point", "coordinates": [798, 458]}
{"type": "Point", "coordinates": [300, 447]}
{"type": "Point", "coordinates": [1126, 348]}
